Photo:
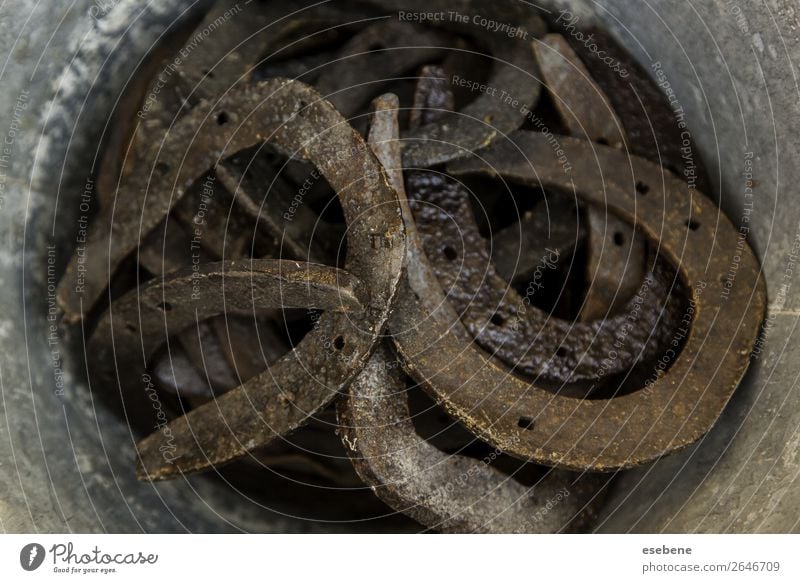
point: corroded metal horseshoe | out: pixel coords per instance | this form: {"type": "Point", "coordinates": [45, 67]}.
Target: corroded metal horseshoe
{"type": "Point", "coordinates": [675, 408]}
{"type": "Point", "coordinates": [294, 117]}
{"type": "Point", "coordinates": [443, 492]}
{"type": "Point", "coordinates": [504, 322]}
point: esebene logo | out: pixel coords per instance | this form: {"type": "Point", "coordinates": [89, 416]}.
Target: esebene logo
{"type": "Point", "coordinates": [31, 556]}
{"type": "Point", "coordinates": [66, 559]}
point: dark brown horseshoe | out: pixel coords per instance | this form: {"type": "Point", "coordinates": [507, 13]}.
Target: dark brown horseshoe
{"type": "Point", "coordinates": [673, 410]}
{"type": "Point", "coordinates": [506, 323]}
{"type": "Point", "coordinates": [294, 117]}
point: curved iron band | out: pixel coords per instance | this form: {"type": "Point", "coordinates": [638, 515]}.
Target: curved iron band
{"type": "Point", "coordinates": [294, 117]}
{"type": "Point", "coordinates": [604, 435]}
{"type": "Point", "coordinates": [196, 143]}
{"type": "Point", "coordinates": [447, 493]}
{"type": "Point", "coordinates": [215, 67]}
{"type": "Point", "coordinates": [507, 325]}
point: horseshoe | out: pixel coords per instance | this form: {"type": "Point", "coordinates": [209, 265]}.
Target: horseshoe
{"type": "Point", "coordinates": [449, 493]}
{"type": "Point", "coordinates": [674, 409]}
{"type": "Point", "coordinates": [508, 326]}
{"type": "Point", "coordinates": [294, 117]}
{"type": "Point", "coordinates": [616, 254]}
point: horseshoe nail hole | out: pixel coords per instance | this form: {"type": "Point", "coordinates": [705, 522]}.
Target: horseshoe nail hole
{"type": "Point", "coordinates": [642, 188]}
{"type": "Point", "coordinates": [131, 327]}
{"type": "Point", "coordinates": [209, 74]}
{"type": "Point", "coordinates": [338, 343]}
{"type": "Point", "coordinates": [450, 253]}
{"type": "Point", "coordinates": [562, 352]}
{"type": "Point", "coordinates": [619, 239]}
{"type": "Point", "coordinates": [497, 319]}
{"type": "Point", "coordinates": [222, 118]}
{"type": "Point", "coordinates": [302, 109]}
{"type": "Point", "coordinates": [602, 141]}
{"type": "Point", "coordinates": [164, 306]}
{"type": "Point", "coordinates": [692, 224]}
{"type": "Point", "coordinates": [162, 167]}
{"type": "Point", "coordinates": [526, 423]}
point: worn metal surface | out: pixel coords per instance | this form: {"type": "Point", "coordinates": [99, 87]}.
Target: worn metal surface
{"type": "Point", "coordinates": [296, 118]}
{"type": "Point", "coordinates": [506, 323]}
{"type": "Point", "coordinates": [525, 339]}
{"type": "Point", "coordinates": [449, 493]}
{"type": "Point", "coordinates": [678, 407]}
